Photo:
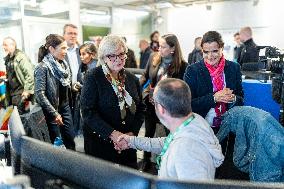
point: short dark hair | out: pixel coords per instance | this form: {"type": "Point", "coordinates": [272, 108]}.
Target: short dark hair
{"type": "Point", "coordinates": [236, 34]}
{"type": "Point", "coordinates": [175, 96]}
{"type": "Point", "coordinates": [212, 36]}
{"type": "Point", "coordinates": [68, 25]}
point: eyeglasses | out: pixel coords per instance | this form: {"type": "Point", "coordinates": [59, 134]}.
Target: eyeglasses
{"type": "Point", "coordinates": [71, 33]}
{"type": "Point", "coordinates": [114, 57]}
{"type": "Point", "coordinates": [213, 52]}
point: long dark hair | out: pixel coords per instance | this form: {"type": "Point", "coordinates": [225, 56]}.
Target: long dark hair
{"type": "Point", "coordinates": [52, 40]}
{"type": "Point", "coordinates": [172, 41]}
{"type": "Point", "coordinates": [88, 48]}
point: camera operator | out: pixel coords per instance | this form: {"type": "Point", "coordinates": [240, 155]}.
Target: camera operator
{"type": "Point", "coordinates": [249, 52]}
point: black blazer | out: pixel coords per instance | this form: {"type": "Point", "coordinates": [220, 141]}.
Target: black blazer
{"type": "Point", "coordinates": [198, 78]}
{"type": "Point", "coordinates": [249, 52]}
{"type": "Point", "coordinates": [99, 105]}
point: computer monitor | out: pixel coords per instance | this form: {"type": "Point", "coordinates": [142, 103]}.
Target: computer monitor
{"type": "Point", "coordinates": [75, 168]}
{"type": "Point", "coordinates": [216, 184]}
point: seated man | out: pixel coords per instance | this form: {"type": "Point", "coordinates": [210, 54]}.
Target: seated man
{"type": "Point", "coordinates": [191, 151]}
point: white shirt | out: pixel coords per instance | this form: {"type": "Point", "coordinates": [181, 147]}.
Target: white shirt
{"type": "Point", "coordinates": [73, 61]}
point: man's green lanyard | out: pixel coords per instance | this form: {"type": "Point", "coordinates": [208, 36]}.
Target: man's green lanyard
{"type": "Point", "coordinates": [169, 139]}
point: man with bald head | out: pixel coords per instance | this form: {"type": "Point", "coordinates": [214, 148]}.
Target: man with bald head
{"type": "Point", "coordinates": [249, 53]}
{"type": "Point", "coordinates": [20, 75]}
{"type": "Point", "coordinates": [145, 51]}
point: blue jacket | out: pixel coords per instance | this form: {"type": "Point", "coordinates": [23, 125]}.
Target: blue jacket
{"type": "Point", "coordinates": [259, 143]}
{"type": "Point", "coordinates": [198, 79]}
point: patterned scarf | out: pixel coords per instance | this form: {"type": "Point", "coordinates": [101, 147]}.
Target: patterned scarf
{"type": "Point", "coordinates": [164, 68]}
{"type": "Point", "coordinates": [217, 77]}
{"type": "Point", "coordinates": [118, 86]}
{"type": "Point", "coordinates": [60, 73]}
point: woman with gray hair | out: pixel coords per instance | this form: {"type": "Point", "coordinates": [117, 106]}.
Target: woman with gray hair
{"type": "Point", "coordinates": [111, 104]}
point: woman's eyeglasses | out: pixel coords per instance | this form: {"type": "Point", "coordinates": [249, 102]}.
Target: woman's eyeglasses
{"type": "Point", "coordinates": [114, 57]}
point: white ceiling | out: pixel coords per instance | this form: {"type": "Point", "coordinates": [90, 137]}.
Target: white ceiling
{"type": "Point", "coordinates": [153, 4]}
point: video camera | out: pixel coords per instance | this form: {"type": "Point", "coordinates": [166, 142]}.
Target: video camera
{"type": "Point", "coordinates": [272, 59]}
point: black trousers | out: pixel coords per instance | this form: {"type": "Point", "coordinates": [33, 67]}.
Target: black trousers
{"type": "Point", "coordinates": [104, 149]}
{"type": "Point", "coordinates": [65, 131]}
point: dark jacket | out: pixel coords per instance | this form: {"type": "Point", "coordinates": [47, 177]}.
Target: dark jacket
{"type": "Point", "coordinates": [130, 62]}
{"type": "Point", "coordinates": [259, 144]}
{"type": "Point", "coordinates": [237, 53]}
{"type": "Point", "coordinates": [101, 114]}
{"type": "Point", "coordinates": [195, 56]}
{"type": "Point", "coordinates": [151, 72]}
{"type": "Point", "coordinates": [198, 78]}
{"type": "Point", "coordinates": [249, 53]}
{"type": "Point", "coordinates": [47, 91]}
{"type": "Point", "coordinates": [144, 57]}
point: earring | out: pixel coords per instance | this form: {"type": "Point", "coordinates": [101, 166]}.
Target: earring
{"type": "Point", "coordinates": [172, 52]}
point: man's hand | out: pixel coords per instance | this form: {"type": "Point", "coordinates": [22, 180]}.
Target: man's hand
{"type": "Point", "coordinates": [114, 137]}
{"type": "Point", "coordinates": [122, 142]}
{"type": "Point", "coordinates": [58, 120]}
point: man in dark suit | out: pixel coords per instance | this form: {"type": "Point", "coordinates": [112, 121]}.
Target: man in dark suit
{"type": "Point", "coordinates": [145, 52]}
{"type": "Point", "coordinates": [238, 48]}
{"type": "Point", "coordinates": [196, 54]}
{"type": "Point", "coordinates": [249, 53]}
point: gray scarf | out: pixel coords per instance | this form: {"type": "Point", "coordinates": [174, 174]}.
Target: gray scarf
{"type": "Point", "coordinates": [60, 73]}
{"type": "Point", "coordinates": [163, 68]}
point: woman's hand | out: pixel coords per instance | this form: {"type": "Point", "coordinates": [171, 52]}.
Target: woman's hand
{"type": "Point", "coordinates": [122, 142]}
{"type": "Point", "coordinates": [118, 145]}
{"type": "Point", "coordinates": [58, 120]}
{"type": "Point", "coordinates": [226, 95]}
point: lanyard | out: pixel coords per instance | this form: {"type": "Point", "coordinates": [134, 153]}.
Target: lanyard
{"type": "Point", "coordinates": [170, 138]}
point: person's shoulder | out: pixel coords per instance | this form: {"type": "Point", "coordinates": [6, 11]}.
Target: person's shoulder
{"type": "Point", "coordinates": [130, 75]}
{"type": "Point", "coordinates": [184, 63]}
{"type": "Point", "coordinates": [196, 66]}
{"type": "Point", "coordinates": [232, 65]}
{"type": "Point", "coordinates": [41, 66]}
{"type": "Point", "coordinates": [20, 55]}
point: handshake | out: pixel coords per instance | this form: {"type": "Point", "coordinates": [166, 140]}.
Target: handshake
{"type": "Point", "coordinates": [120, 140]}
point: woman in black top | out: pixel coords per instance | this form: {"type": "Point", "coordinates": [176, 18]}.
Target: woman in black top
{"type": "Point", "coordinates": [111, 104]}
{"type": "Point", "coordinates": [52, 89]}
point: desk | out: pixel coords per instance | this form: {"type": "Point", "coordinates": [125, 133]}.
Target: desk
{"type": "Point", "coordinates": [258, 94]}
